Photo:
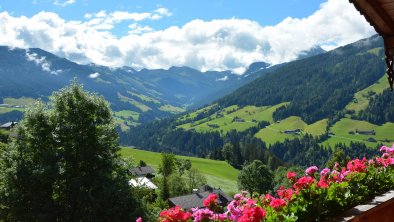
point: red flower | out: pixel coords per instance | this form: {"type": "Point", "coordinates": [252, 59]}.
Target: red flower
{"type": "Point", "coordinates": [356, 166]}
{"type": "Point", "coordinates": [304, 183]}
{"type": "Point", "coordinates": [212, 199]}
{"type": "Point", "coordinates": [285, 193]}
{"type": "Point", "coordinates": [291, 176]}
{"type": "Point", "coordinates": [175, 214]}
{"type": "Point", "coordinates": [322, 183]}
{"type": "Point", "coordinates": [278, 203]}
{"type": "Point", "coordinates": [255, 214]}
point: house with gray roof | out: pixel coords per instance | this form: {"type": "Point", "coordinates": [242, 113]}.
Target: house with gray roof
{"type": "Point", "coordinates": [145, 171]}
{"type": "Point", "coordinates": [196, 199]}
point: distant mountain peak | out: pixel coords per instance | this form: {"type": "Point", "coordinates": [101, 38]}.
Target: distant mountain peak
{"type": "Point", "coordinates": [315, 50]}
{"type": "Point", "coordinates": [257, 66]}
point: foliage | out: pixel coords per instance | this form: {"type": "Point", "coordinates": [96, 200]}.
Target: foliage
{"type": "Point", "coordinates": [255, 177]}
{"type": "Point", "coordinates": [63, 165]}
{"type": "Point", "coordinates": [178, 176]}
{"type": "Point", "coordinates": [380, 108]}
{"type": "Point", "coordinates": [311, 197]}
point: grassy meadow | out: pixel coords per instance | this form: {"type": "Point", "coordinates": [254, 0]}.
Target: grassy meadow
{"type": "Point", "coordinates": [218, 173]}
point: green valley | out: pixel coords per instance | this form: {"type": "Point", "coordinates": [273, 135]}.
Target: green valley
{"type": "Point", "coordinates": [218, 173]}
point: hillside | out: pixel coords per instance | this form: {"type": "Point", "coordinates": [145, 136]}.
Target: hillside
{"type": "Point", "coordinates": [312, 96]}
{"type": "Point", "coordinates": [135, 96]}
{"type": "Point", "coordinates": [318, 86]}
{"type": "Point", "coordinates": [218, 173]}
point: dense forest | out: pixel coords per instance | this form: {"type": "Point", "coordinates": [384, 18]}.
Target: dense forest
{"type": "Point", "coordinates": [380, 108]}
{"type": "Point", "coordinates": [317, 87]}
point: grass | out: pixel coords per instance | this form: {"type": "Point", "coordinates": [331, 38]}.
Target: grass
{"type": "Point", "coordinates": [342, 128]}
{"type": "Point", "coordinates": [126, 114]}
{"type": "Point", "coordinates": [23, 101]}
{"type": "Point", "coordinates": [124, 124]}
{"type": "Point", "coordinates": [172, 109]}
{"type": "Point", "coordinates": [7, 110]}
{"type": "Point", "coordinates": [317, 128]}
{"type": "Point", "coordinates": [192, 115]}
{"type": "Point", "coordinates": [361, 98]}
{"type": "Point", "coordinates": [222, 121]}
{"type": "Point", "coordinates": [140, 106]}
{"type": "Point", "coordinates": [218, 173]}
{"type": "Point", "coordinates": [272, 133]}
{"type": "Point", "coordinates": [144, 97]}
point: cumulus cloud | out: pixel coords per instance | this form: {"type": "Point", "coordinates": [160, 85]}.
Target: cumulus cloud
{"type": "Point", "coordinates": [94, 75]}
{"type": "Point", "coordinates": [230, 44]}
{"type": "Point", "coordinates": [40, 61]}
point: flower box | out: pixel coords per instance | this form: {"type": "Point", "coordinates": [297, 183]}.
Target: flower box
{"type": "Point", "coordinates": [381, 209]}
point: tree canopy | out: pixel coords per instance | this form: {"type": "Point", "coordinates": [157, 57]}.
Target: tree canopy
{"type": "Point", "coordinates": [64, 165]}
{"type": "Point", "coordinates": [255, 177]}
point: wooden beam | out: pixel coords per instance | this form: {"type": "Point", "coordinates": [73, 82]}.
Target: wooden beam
{"type": "Point", "coordinates": [382, 13]}
{"type": "Point", "coordinates": [369, 18]}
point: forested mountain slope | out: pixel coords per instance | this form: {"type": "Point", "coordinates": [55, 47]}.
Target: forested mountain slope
{"type": "Point", "coordinates": [297, 103]}
{"type": "Point", "coordinates": [317, 87]}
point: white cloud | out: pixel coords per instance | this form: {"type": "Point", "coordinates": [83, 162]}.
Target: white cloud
{"type": "Point", "coordinates": [205, 45]}
{"type": "Point", "coordinates": [40, 61]}
{"type": "Point", "coordinates": [225, 78]}
{"type": "Point", "coordinates": [94, 75]}
{"type": "Point", "coordinates": [64, 3]}
{"type": "Point", "coordinates": [107, 21]}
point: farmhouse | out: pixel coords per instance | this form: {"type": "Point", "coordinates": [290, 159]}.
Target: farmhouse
{"type": "Point", "coordinates": [238, 120]}
{"type": "Point", "coordinates": [371, 132]}
{"type": "Point", "coordinates": [215, 126]}
{"type": "Point", "coordinates": [145, 171]}
{"type": "Point", "coordinates": [196, 199]}
{"type": "Point", "coordinates": [296, 131]}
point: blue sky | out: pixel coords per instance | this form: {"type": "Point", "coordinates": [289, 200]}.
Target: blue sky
{"type": "Point", "coordinates": [204, 34]}
{"type": "Point", "coordinates": [265, 12]}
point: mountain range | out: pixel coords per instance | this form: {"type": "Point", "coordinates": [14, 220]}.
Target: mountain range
{"type": "Point", "coordinates": [135, 96]}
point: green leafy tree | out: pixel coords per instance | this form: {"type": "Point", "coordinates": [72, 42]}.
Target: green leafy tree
{"type": "Point", "coordinates": [195, 179]}
{"type": "Point", "coordinates": [183, 165]}
{"type": "Point", "coordinates": [337, 157]}
{"type": "Point", "coordinates": [166, 168]}
{"type": "Point", "coordinates": [177, 185]}
{"type": "Point", "coordinates": [167, 165]}
{"type": "Point", "coordinates": [255, 177]}
{"type": "Point", "coordinates": [64, 164]}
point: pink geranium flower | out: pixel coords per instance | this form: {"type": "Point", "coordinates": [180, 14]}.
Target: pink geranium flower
{"type": "Point", "coordinates": [311, 170]}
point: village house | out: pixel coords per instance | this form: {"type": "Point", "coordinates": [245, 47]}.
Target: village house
{"type": "Point", "coordinates": [196, 199]}
{"type": "Point", "coordinates": [145, 171]}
